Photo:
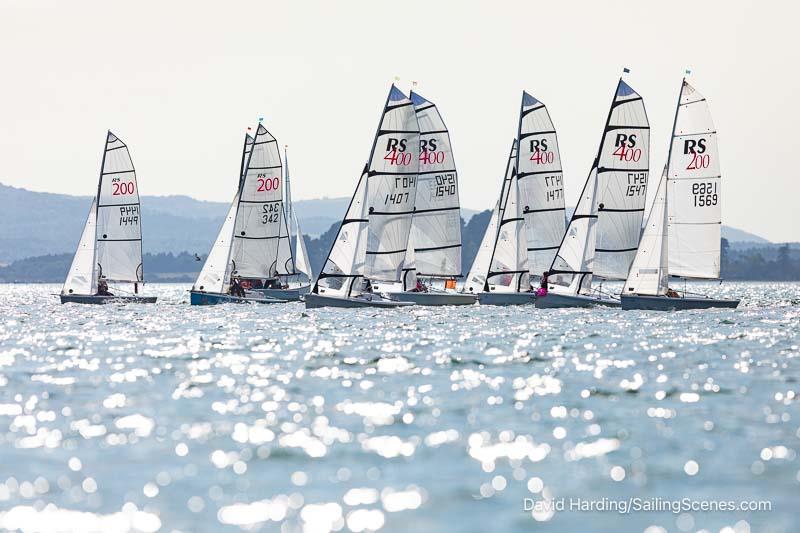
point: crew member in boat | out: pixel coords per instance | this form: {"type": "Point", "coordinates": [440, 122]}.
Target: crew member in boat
{"type": "Point", "coordinates": [672, 293]}
{"type": "Point", "coordinates": [236, 288]}
{"type": "Point", "coordinates": [273, 283]}
{"type": "Point", "coordinates": [542, 291]}
{"type": "Point", "coordinates": [102, 287]}
{"type": "Point", "coordinates": [419, 287]}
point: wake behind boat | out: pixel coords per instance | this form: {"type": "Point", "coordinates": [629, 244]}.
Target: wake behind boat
{"type": "Point", "coordinates": [682, 234]}
{"type": "Point", "coordinates": [371, 243]}
{"type": "Point", "coordinates": [109, 253]}
{"type": "Point", "coordinates": [603, 233]}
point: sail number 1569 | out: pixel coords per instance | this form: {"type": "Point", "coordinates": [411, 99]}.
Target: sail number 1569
{"type": "Point", "coordinates": [705, 194]}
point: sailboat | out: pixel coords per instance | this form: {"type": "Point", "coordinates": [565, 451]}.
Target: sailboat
{"type": "Point", "coordinates": [110, 249]}
{"type": "Point", "coordinates": [499, 273]}
{"type": "Point", "coordinates": [682, 234]}
{"type": "Point", "coordinates": [371, 243]}
{"type": "Point", "coordinates": [433, 251]}
{"type": "Point", "coordinates": [246, 248]}
{"type": "Point", "coordinates": [292, 254]}
{"type": "Point", "coordinates": [530, 218]}
{"type": "Point", "coordinates": [603, 234]}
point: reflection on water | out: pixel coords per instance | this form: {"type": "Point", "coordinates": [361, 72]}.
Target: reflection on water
{"type": "Point", "coordinates": [171, 417]}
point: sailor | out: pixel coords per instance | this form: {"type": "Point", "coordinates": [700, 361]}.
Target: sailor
{"type": "Point", "coordinates": [542, 291]}
{"type": "Point", "coordinates": [102, 287]}
{"type": "Point", "coordinates": [236, 288]}
{"type": "Point", "coordinates": [672, 293]}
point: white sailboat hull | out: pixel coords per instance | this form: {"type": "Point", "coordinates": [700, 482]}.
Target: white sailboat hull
{"type": "Point", "coordinates": [506, 298]}
{"type": "Point", "coordinates": [434, 298]}
{"type": "Point", "coordinates": [292, 294]}
{"type": "Point", "coordinates": [97, 299]}
{"type": "Point", "coordinates": [559, 301]}
{"type": "Point", "coordinates": [663, 303]}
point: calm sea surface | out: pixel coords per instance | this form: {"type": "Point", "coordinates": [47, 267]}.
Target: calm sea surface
{"type": "Point", "coordinates": [177, 418]}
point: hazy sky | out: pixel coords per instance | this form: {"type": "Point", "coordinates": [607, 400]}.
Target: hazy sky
{"type": "Point", "coordinates": [180, 81]}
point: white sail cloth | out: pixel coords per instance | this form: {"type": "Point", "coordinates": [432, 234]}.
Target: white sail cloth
{"type": "Point", "coordinates": [694, 180]}
{"type": "Point", "coordinates": [622, 174]}
{"type": "Point", "coordinates": [478, 273]}
{"type": "Point", "coordinates": [436, 228]}
{"type": "Point", "coordinates": [391, 188]}
{"type": "Point", "coordinates": [603, 233]}
{"type": "Point", "coordinates": [215, 275]}
{"type": "Point", "coordinates": [345, 263]}
{"type": "Point", "coordinates": [118, 254]}
{"type": "Point", "coordinates": [541, 183]}
{"type": "Point", "coordinates": [81, 277]}
{"type": "Point", "coordinates": [259, 216]}
{"type": "Point", "coordinates": [649, 273]}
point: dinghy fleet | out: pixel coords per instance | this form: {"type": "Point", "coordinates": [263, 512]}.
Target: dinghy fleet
{"type": "Point", "coordinates": [399, 242]}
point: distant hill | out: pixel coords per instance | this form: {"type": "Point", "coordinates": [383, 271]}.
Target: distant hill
{"type": "Point", "coordinates": [37, 223]}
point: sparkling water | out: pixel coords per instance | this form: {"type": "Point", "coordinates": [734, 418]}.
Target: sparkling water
{"type": "Point", "coordinates": [178, 418]}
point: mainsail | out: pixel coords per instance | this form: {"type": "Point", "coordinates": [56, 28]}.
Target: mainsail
{"type": "Point", "coordinates": [694, 177]}
{"type": "Point", "coordinates": [81, 277]}
{"type": "Point", "coordinates": [436, 228]}
{"type": "Point", "coordinates": [248, 147]}
{"type": "Point", "coordinates": [391, 188]}
{"type": "Point", "coordinates": [119, 234]}
{"type": "Point", "coordinates": [603, 233]}
{"type": "Point", "coordinates": [541, 183]}
{"type": "Point", "coordinates": [259, 216]}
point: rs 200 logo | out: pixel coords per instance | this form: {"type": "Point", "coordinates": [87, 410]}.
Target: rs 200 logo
{"type": "Point", "coordinates": [696, 148]}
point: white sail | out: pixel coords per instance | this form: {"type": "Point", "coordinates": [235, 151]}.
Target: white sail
{"type": "Point", "coordinates": [649, 273]}
{"type": "Point", "coordinates": [604, 231]}
{"type": "Point", "coordinates": [571, 271]}
{"type": "Point", "coordinates": [391, 188]}
{"type": "Point", "coordinates": [541, 183]}
{"type": "Point", "coordinates": [436, 227]}
{"type": "Point", "coordinates": [409, 274]}
{"type": "Point", "coordinates": [215, 275]}
{"type": "Point", "coordinates": [344, 266]}
{"type": "Point", "coordinates": [694, 178]}
{"type": "Point", "coordinates": [302, 262]}
{"type": "Point", "coordinates": [81, 277]}
{"type": "Point", "coordinates": [119, 234]}
{"type": "Point", "coordinates": [477, 276]}
{"type": "Point", "coordinates": [508, 270]}
{"type": "Point", "coordinates": [622, 173]}
{"type": "Point", "coordinates": [257, 230]}
{"type": "Point", "coordinates": [285, 261]}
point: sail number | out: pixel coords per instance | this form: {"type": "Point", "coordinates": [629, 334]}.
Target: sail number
{"type": "Point", "coordinates": [445, 185]}
{"type": "Point", "coordinates": [637, 184]}
{"type": "Point", "coordinates": [543, 158]}
{"type": "Point", "coordinates": [705, 194]}
{"type": "Point", "coordinates": [699, 161]}
{"type": "Point", "coordinates": [270, 213]}
{"type": "Point", "coordinates": [122, 187]}
{"type": "Point", "coordinates": [628, 154]}
{"type": "Point", "coordinates": [400, 182]}
{"type": "Point", "coordinates": [266, 184]}
{"type": "Point", "coordinates": [556, 186]}
{"type": "Point", "coordinates": [129, 215]}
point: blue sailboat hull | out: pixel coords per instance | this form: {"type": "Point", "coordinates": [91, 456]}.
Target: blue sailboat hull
{"type": "Point", "coordinates": [97, 299]}
{"type": "Point", "coordinates": [213, 298]}
{"type": "Point", "coordinates": [560, 301]}
{"type": "Point", "coordinates": [506, 298]}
